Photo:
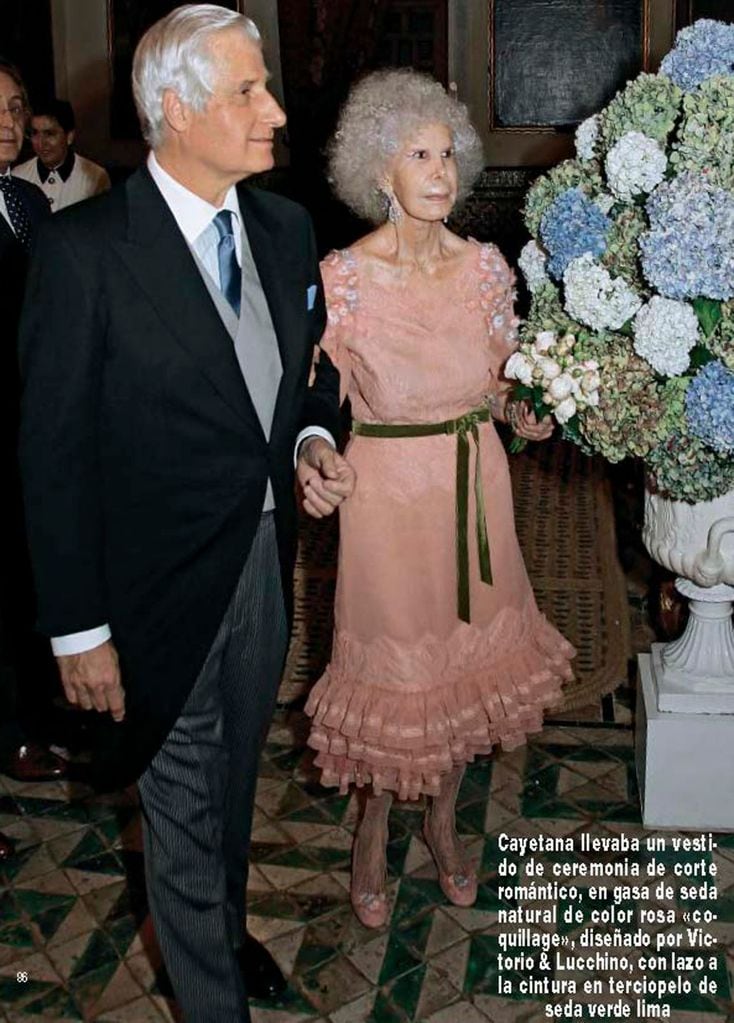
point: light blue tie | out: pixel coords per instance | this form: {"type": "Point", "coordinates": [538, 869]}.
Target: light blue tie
{"type": "Point", "coordinates": [230, 274]}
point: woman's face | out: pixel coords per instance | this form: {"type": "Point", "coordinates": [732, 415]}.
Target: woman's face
{"type": "Point", "coordinates": [422, 176]}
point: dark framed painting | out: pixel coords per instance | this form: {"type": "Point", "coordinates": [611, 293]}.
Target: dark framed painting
{"type": "Point", "coordinates": [127, 20]}
{"type": "Point", "coordinates": [556, 62]}
{"type": "Point", "coordinates": [531, 71]}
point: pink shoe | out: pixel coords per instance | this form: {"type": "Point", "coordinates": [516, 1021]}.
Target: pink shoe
{"type": "Point", "coordinates": [372, 909]}
{"type": "Point", "coordinates": [459, 888]}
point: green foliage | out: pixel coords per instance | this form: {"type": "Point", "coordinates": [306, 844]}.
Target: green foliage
{"type": "Point", "coordinates": [705, 142]}
{"type": "Point", "coordinates": [547, 313]}
{"type": "Point", "coordinates": [708, 311]}
{"type": "Point", "coordinates": [684, 468]}
{"type": "Point", "coordinates": [622, 257]}
{"type": "Point", "coordinates": [721, 342]}
{"type": "Point", "coordinates": [649, 104]}
{"type": "Point", "coordinates": [627, 421]}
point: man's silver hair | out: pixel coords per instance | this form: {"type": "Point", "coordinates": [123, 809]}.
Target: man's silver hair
{"type": "Point", "coordinates": [380, 114]}
{"type": "Point", "coordinates": [175, 54]}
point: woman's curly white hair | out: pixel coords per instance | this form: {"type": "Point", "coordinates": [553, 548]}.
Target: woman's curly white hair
{"type": "Point", "coordinates": [381, 112]}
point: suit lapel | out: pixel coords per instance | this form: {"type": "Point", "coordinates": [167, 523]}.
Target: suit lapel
{"type": "Point", "coordinates": [8, 240]}
{"type": "Point", "coordinates": [158, 257]}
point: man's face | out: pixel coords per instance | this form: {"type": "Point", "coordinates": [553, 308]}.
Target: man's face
{"type": "Point", "coordinates": [233, 135]}
{"type": "Point", "coordinates": [49, 140]}
{"type": "Point", "coordinates": [12, 121]}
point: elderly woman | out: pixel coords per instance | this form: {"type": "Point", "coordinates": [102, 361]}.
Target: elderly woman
{"type": "Point", "coordinates": [440, 652]}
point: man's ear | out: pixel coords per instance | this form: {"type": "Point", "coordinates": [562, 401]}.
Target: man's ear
{"type": "Point", "coordinates": [70, 135]}
{"type": "Point", "coordinates": [176, 113]}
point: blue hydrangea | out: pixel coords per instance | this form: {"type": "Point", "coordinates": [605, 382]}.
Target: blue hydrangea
{"type": "Point", "coordinates": [710, 407]}
{"type": "Point", "coordinates": [701, 51]}
{"type": "Point", "coordinates": [689, 250]}
{"type": "Point", "coordinates": [572, 226]}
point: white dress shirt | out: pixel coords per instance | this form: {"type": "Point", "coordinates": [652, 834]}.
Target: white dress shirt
{"type": "Point", "coordinates": [194, 217]}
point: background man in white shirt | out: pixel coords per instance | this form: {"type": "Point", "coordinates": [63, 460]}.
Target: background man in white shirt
{"type": "Point", "coordinates": [62, 175]}
{"type": "Point", "coordinates": [166, 347]}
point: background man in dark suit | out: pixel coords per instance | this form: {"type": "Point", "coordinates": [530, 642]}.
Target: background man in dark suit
{"type": "Point", "coordinates": [166, 348]}
{"type": "Point", "coordinates": [22, 208]}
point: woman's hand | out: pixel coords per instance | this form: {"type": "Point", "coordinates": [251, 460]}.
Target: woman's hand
{"type": "Point", "coordinates": [524, 422]}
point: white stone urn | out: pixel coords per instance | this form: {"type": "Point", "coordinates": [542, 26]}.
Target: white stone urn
{"type": "Point", "coordinates": [695, 673]}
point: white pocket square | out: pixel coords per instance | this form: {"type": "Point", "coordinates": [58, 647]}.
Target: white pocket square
{"type": "Point", "coordinates": [310, 296]}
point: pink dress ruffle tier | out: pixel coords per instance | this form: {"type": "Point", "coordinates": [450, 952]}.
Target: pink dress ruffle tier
{"type": "Point", "coordinates": [411, 691]}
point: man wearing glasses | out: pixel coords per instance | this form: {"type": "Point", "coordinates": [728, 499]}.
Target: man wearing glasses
{"type": "Point", "coordinates": [22, 207]}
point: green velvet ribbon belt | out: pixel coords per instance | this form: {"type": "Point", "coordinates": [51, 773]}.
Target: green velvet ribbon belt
{"type": "Point", "coordinates": [462, 427]}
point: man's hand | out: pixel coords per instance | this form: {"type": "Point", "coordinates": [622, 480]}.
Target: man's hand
{"type": "Point", "coordinates": [326, 478]}
{"type": "Point", "coordinates": [91, 680]}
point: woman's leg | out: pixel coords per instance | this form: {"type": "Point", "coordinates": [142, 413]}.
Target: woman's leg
{"type": "Point", "coordinates": [369, 861]}
{"type": "Point", "coordinates": [456, 876]}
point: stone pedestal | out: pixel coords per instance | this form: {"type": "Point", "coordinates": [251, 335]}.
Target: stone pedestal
{"type": "Point", "coordinates": [685, 761]}
{"type": "Point", "coordinates": [695, 673]}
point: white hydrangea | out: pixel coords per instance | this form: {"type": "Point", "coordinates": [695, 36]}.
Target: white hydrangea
{"type": "Point", "coordinates": [665, 331]}
{"type": "Point", "coordinates": [532, 261]}
{"type": "Point", "coordinates": [605, 201]}
{"type": "Point", "coordinates": [594, 297]}
{"type": "Point", "coordinates": [587, 135]}
{"type": "Point", "coordinates": [635, 164]}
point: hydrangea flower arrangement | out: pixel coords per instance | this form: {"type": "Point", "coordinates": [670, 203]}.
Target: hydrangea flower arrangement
{"type": "Point", "coordinates": [633, 257]}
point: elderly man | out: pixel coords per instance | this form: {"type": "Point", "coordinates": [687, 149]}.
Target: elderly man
{"type": "Point", "coordinates": [166, 351]}
{"type": "Point", "coordinates": [63, 176]}
{"type": "Point", "coordinates": [22, 208]}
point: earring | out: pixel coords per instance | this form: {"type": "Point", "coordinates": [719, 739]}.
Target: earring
{"type": "Point", "coordinates": [393, 211]}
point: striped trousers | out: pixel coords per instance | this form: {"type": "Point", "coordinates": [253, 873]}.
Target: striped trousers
{"type": "Point", "coordinates": [198, 794]}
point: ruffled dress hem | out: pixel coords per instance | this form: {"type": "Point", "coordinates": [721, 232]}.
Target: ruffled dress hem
{"type": "Point", "coordinates": [402, 734]}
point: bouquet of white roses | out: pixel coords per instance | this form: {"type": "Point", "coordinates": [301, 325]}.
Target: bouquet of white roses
{"type": "Point", "coordinates": [633, 258]}
{"type": "Point", "coordinates": [553, 380]}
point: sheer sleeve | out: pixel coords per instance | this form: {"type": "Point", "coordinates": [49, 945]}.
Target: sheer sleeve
{"type": "Point", "coordinates": [338, 270]}
{"type": "Point", "coordinates": [497, 287]}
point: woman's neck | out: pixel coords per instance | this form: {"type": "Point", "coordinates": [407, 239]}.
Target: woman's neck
{"type": "Point", "coordinates": [417, 244]}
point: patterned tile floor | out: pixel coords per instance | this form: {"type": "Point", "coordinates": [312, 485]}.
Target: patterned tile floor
{"type": "Point", "coordinates": [76, 941]}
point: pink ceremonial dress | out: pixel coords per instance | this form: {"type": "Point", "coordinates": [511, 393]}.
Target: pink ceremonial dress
{"type": "Point", "coordinates": [411, 690]}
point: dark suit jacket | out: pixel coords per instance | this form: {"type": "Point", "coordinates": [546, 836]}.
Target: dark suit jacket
{"type": "Point", "coordinates": [143, 458]}
{"type": "Point", "coordinates": [16, 599]}
{"type": "Point", "coordinates": [13, 270]}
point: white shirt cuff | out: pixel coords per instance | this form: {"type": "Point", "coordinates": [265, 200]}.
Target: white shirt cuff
{"type": "Point", "coordinates": [312, 431]}
{"type": "Point", "coordinates": [80, 642]}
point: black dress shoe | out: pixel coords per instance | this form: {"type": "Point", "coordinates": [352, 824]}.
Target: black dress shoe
{"type": "Point", "coordinates": [33, 762]}
{"type": "Point", "coordinates": [7, 847]}
{"type": "Point", "coordinates": [260, 971]}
